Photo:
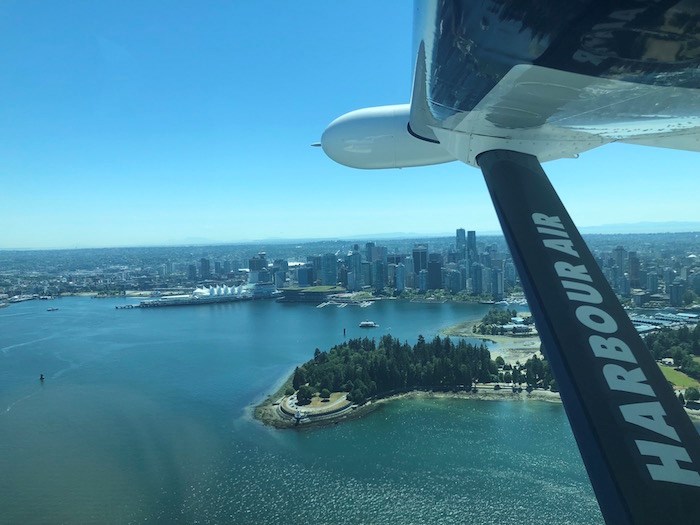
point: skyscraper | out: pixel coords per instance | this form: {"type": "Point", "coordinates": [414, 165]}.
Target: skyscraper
{"type": "Point", "coordinates": [475, 273]}
{"type": "Point", "coordinates": [369, 251]}
{"type": "Point", "coordinates": [620, 256]}
{"type": "Point", "coordinates": [204, 268]}
{"type": "Point", "coordinates": [400, 277]}
{"type": "Point", "coordinates": [305, 275]}
{"type": "Point", "coordinates": [420, 258]}
{"type": "Point", "coordinates": [472, 255]}
{"type": "Point", "coordinates": [461, 244]}
{"type": "Point", "coordinates": [192, 272]}
{"type": "Point", "coordinates": [435, 272]}
{"type": "Point", "coordinates": [377, 275]}
{"type": "Point", "coordinates": [329, 270]}
{"type": "Point", "coordinates": [354, 263]}
{"type": "Point", "coordinates": [633, 260]}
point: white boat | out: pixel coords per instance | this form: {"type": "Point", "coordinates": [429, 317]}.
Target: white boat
{"type": "Point", "coordinates": [368, 324]}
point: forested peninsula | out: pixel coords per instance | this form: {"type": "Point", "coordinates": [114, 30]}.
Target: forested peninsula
{"type": "Point", "coordinates": [358, 370]}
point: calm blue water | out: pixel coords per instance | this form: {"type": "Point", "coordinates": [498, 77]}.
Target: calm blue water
{"type": "Point", "coordinates": [145, 417]}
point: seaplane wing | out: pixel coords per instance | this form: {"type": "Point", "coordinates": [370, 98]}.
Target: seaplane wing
{"type": "Point", "coordinates": [551, 78]}
{"type": "Point", "coordinates": [505, 85]}
{"type": "Point", "coordinates": [555, 78]}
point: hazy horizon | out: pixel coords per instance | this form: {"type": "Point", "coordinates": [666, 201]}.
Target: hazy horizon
{"type": "Point", "coordinates": [641, 228]}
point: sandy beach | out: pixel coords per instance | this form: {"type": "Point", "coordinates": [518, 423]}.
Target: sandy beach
{"type": "Point", "coordinates": [510, 348]}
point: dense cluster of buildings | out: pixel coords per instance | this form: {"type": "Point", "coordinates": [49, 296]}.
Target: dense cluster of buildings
{"type": "Point", "coordinates": [644, 269]}
{"type": "Point", "coordinates": [459, 268]}
{"type": "Point", "coordinates": [651, 279]}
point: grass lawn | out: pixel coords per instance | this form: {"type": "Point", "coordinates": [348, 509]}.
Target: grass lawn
{"type": "Point", "coordinates": [679, 379]}
{"type": "Point", "coordinates": [317, 402]}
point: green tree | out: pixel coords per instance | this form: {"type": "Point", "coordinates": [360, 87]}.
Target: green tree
{"type": "Point", "coordinates": [325, 394]}
{"type": "Point", "coordinates": [304, 395]}
{"type": "Point", "coordinates": [692, 394]}
{"type": "Point", "coordinates": [299, 377]}
{"type": "Point", "coordinates": [500, 361]}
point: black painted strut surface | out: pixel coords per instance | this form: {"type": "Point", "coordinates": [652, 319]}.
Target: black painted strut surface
{"type": "Point", "coordinates": [640, 449]}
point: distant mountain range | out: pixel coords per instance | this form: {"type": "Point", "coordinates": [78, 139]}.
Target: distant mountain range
{"type": "Point", "coordinates": [623, 228]}
{"type": "Point", "coordinates": [645, 227]}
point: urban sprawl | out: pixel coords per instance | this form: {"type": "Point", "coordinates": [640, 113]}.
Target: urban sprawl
{"type": "Point", "coordinates": [645, 270]}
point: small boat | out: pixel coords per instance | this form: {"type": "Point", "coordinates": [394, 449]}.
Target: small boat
{"type": "Point", "coordinates": [52, 309]}
{"type": "Point", "coordinates": [368, 324]}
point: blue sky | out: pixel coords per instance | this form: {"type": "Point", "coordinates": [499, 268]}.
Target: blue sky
{"type": "Point", "coordinates": [149, 123]}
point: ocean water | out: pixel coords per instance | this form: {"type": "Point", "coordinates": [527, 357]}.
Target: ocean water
{"type": "Point", "coordinates": [145, 416]}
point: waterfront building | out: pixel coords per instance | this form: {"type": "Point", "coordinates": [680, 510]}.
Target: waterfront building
{"type": "Point", "coordinates": [305, 276]}
{"type": "Point", "coordinates": [312, 294]}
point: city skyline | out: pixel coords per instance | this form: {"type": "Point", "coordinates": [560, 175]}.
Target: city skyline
{"type": "Point", "coordinates": [166, 125]}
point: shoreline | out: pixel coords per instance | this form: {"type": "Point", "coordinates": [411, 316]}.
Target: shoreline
{"type": "Point", "coordinates": [268, 411]}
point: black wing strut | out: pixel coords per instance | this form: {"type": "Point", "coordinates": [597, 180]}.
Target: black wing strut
{"type": "Point", "coordinates": [640, 449]}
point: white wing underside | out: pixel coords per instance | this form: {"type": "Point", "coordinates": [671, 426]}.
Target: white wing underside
{"type": "Point", "coordinates": [555, 114]}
